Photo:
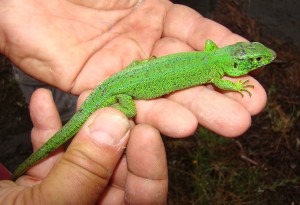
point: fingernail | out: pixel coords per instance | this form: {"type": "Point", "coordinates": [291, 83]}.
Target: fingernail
{"type": "Point", "coordinates": [109, 129]}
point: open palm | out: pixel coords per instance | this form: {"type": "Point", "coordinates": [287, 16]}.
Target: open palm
{"type": "Point", "coordinates": [75, 47]}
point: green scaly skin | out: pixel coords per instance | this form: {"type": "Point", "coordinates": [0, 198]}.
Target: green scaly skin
{"type": "Point", "coordinates": [156, 77]}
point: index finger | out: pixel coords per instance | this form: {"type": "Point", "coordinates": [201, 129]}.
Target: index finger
{"type": "Point", "coordinates": [192, 28]}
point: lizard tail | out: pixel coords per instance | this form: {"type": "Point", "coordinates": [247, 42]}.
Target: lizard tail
{"type": "Point", "coordinates": [58, 139]}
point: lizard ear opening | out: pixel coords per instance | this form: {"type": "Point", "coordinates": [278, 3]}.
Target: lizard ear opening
{"type": "Point", "coordinates": [210, 45]}
{"type": "Point", "coordinates": [235, 65]}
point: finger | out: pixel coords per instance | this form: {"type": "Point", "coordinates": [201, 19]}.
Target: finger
{"type": "Point", "coordinates": [168, 45]}
{"type": "Point", "coordinates": [170, 118]}
{"type": "Point", "coordinates": [46, 122]}
{"type": "Point", "coordinates": [42, 111]}
{"type": "Point", "coordinates": [147, 180]}
{"type": "Point", "coordinates": [82, 97]}
{"type": "Point", "coordinates": [215, 111]}
{"type": "Point", "coordinates": [86, 167]}
{"type": "Point", "coordinates": [119, 185]}
{"type": "Point", "coordinates": [255, 103]}
{"type": "Point", "coordinates": [115, 191]}
{"type": "Point", "coordinates": [189, 26]}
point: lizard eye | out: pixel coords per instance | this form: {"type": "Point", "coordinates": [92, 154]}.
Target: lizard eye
{"type": "Point", "coordinates": [258, 59]}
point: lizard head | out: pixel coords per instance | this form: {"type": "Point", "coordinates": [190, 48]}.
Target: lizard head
{"type": "Point", "coordinates": [248, 56]}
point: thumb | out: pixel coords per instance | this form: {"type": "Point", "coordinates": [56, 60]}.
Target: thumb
{"type": "Point", "coordinates": [86, 167]}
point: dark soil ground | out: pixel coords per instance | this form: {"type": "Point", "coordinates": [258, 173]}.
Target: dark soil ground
{"type": "Point", "coordinates": [15, 123]}
{"type": "Point", "coordinates": [262, 166]}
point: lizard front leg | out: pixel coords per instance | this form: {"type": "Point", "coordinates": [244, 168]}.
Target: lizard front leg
{"type": "Point", "coordinates": [238, 86]}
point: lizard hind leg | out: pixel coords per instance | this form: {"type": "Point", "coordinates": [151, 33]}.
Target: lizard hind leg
{"type": "Point", "coordinates": [126, 105]}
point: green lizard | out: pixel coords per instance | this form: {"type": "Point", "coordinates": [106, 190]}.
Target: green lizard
{"type": "Point", "coordinates": [155, 77]}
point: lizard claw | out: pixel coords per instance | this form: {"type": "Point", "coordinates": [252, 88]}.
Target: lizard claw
{"type": "Point", "coordinates": [244, 86]}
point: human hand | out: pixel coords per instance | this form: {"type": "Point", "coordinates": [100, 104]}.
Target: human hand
{"type": "Point", "coordinates": [88, 41]}
{"type": "Point", "coordinates": [94, 169]}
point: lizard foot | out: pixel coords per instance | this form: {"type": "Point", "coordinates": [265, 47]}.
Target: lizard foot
{"type": "Point", "coordinates": [243, 86]}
